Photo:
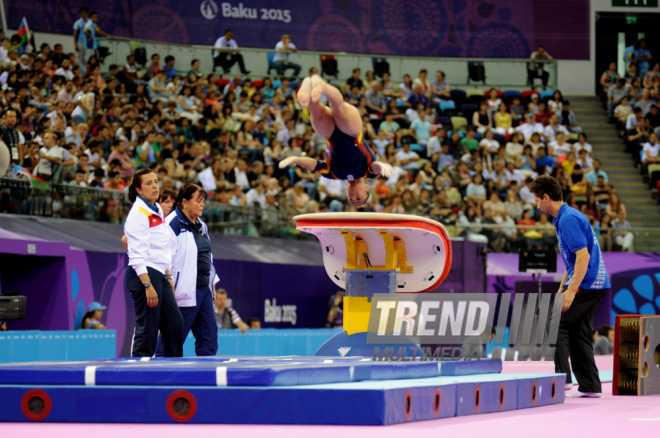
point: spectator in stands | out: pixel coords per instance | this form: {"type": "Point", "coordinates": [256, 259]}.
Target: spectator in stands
{"type": "Point", "coordinates": [517, 111]}
{"type": "Point", "coordinates": [526, 195]}
{"type": "Point", "coordinates": [254, 323]}
{"type": "Point", "coordinates": [604, 340]}
{"type": "Point", "coordinates": [558, 148]}
{"type": "Point", "coordinates": [49, 155]}
{"type": "Point", "coordinates": [585, 162]}
{"type": "Point", "coordinates": [155, 65]}
{"type": "Point", "coordinates": [406, 87]}
{"type": "Point", "coordinates": [651, 75]}
{"type": "Point", "coordinates": [409, 160]}
{"type": "Point", "coordinates": [493, 101]}
{"type": "Point", "coordinates": [645, 102]}
{"type": "Point", "coordinates": [355, 80]}
{"type": "Point", "coordinates": [542, 159]}
{"type": "Point", "coordinates": [643, 56]}
{"type": "Point", "coordinates": [623, 236]}
{"type": "Point", "coordinates": [653, 119]}
{"type": "Point", "coordinates": [614, 96]}
{"type": "Point", "coordinates": [503, 120]}
{"type": "Point", "coordinates": [423, 82]}
{"type": "Point", "coordinates": [489, 145]}
{"type": "Point", "coordinates": [567, 118]}
{"type": "Point", "coordinates": [440, 89]}
{"type": "Point", "coordinates": [592, 176]}
{"type": "Point", "coordinates": [226, 54]}
{"type": "Point", "coordinates": [157, 85]}
{"type": "Point", "coordinates": [12, 137]}
{"type": "Point", "coordinates": [651, 150]}
{"type": "Point", "coordinates": [615, 206]}
{"type": "Point", "coordinates": [281, 60]}
{"type": "Point", "coordinates": [417, 97]}
{"type": "Point", "coordinates": [543, 115]}
{"type": "Point", "coordinates": [470, 222]}
{"type": "Point", "coordinates": [92, 319]}
{"type": "Point", "coordinates": [539, 59]}
{"type": "Point", "coordinates": [637, 137]}
{"type": "Point", "coordinates": [195, 77]}
{"type": "Point", "coordinates": [375, 99]}
{"type": "Point", "coordinates": [227, 317]}
{"type": "Point", "coordinates": [482, 119]}
{"type": "Point", "coordinates": [609, 78]}
{"type": "Point", "coordinates": [622, 111]}
{"type": "Point", "coordinates": [636, 90]}
{"type": "Point", "coordinates": [550, 132]}
{"type": "Point", "coordinates": [421, 129]}
{"type": "Point", "coordinates": [476, 192]}
{"type": "Point", "coordinates": [169, 67]}
{"type": "Point", "coordinates": [529, 128]}
{"type": "Point", "coordinates": [469, 143]}
{"type": "Point", "coordinates": [79, 37]}
{"type": "Point", "coordinates": [91, 29]}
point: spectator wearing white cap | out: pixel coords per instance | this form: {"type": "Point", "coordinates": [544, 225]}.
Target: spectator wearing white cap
{"type": "Point", "coordinates": [529, 128]}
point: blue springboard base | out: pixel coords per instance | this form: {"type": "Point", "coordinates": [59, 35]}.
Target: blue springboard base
{"type": "Point", "coordinates": [131, 391]}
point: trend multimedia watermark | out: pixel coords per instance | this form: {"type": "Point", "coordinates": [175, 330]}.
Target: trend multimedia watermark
{"type": "Point", "coordinates": [450, 327]}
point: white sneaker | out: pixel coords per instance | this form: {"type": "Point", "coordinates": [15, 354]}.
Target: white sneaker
{"type": "Point", "coordinates": [568, 386]}
{"type": "Point", "coordinates": [578, 394]}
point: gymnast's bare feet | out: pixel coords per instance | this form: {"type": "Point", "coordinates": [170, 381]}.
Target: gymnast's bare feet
{"type": "Point", "coordinates": [318, 87]}
{"type": "Point", "coordinates": [304, 93]}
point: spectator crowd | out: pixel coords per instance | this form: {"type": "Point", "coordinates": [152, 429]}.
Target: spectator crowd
{"type": "Point", "coordinates": [468, 166]}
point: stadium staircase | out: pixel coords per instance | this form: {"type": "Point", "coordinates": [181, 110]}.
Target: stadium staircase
{"type": "Point", "coordinates": [620, 169]}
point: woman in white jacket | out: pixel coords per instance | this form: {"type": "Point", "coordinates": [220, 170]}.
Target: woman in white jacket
{"type": "Point", "coordinates": [148, 273]}
{"type": "Point", "coordinates": [192, 269]}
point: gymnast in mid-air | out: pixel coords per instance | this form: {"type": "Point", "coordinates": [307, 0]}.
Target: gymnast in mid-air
{"type": "Point", "coordinates": [348, 157]}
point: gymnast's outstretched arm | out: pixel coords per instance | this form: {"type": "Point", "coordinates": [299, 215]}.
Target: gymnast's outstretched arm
{"type": "Point", "coordinates": [305, 162]}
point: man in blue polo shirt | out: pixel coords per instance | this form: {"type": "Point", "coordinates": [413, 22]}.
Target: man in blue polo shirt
{"type": "Point", "coordinates": [584, 284]}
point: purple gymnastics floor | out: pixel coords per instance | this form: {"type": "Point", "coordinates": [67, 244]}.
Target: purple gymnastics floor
{"type": "Point", "coordinates": [608, 416]}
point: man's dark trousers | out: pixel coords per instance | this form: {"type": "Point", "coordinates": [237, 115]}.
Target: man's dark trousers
{"type": "Point", "coordinates": [575, 340]}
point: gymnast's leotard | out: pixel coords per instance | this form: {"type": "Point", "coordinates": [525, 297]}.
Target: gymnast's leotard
{"type": "Point", "coordinates": [348, 158]}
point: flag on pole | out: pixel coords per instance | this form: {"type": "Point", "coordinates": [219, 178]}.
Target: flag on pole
{"type": "Point", "coordinates": [24, 33]}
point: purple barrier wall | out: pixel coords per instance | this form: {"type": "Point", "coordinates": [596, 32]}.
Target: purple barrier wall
{"type": "Point", "coordinates": [60, 282]}
{"type": "Point", "coordinates": [452, 28]}
{"type": "Point", "coordinates": [635, 282]}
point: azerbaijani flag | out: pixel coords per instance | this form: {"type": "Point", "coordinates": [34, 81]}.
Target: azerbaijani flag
{"type": "Point", "coordinates": [24, 32]}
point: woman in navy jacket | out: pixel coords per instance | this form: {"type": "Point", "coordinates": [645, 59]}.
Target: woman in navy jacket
{"type": "Point", "coordinates": [192, 270]}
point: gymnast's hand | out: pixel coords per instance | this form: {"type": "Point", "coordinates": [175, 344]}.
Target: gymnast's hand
{"type": "Point", "coordinates": [383, 169]}
{"type": "Point", "coordinates": [287, 162]}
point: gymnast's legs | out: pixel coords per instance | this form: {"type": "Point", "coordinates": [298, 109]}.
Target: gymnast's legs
{"type": "Point", "coordinates": [341, 114]}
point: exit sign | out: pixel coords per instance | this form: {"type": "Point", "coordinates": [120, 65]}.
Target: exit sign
{"type": "Point", "coordinates": [635, 3]}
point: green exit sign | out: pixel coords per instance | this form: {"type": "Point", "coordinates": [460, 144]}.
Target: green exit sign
{"type": "Point", "coordinates": [631, 19]}
{"type": "Point", "coordinates": [635, 3]}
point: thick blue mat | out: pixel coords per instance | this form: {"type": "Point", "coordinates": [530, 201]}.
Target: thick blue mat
{"type": "Point", "coordinates": [357, 403]}
{"type": "Point", "coordinates": [225, 371]}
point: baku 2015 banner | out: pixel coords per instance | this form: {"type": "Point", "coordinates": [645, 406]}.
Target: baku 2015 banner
{"type": "Point", "coordinates": [446, 28]}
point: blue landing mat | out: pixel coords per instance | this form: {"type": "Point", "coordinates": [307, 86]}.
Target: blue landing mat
{"type": "Point", "coordinates": [358, 403]}
{"type": "Point", "coordinates": [220, 371]}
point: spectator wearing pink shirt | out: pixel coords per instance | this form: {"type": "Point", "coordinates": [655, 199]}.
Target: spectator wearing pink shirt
{"type": "Point", "coordinates": [119, 153]}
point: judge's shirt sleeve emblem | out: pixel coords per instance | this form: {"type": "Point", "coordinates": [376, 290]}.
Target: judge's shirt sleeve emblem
{"type": "Point", "coordinates": [154, 219]}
